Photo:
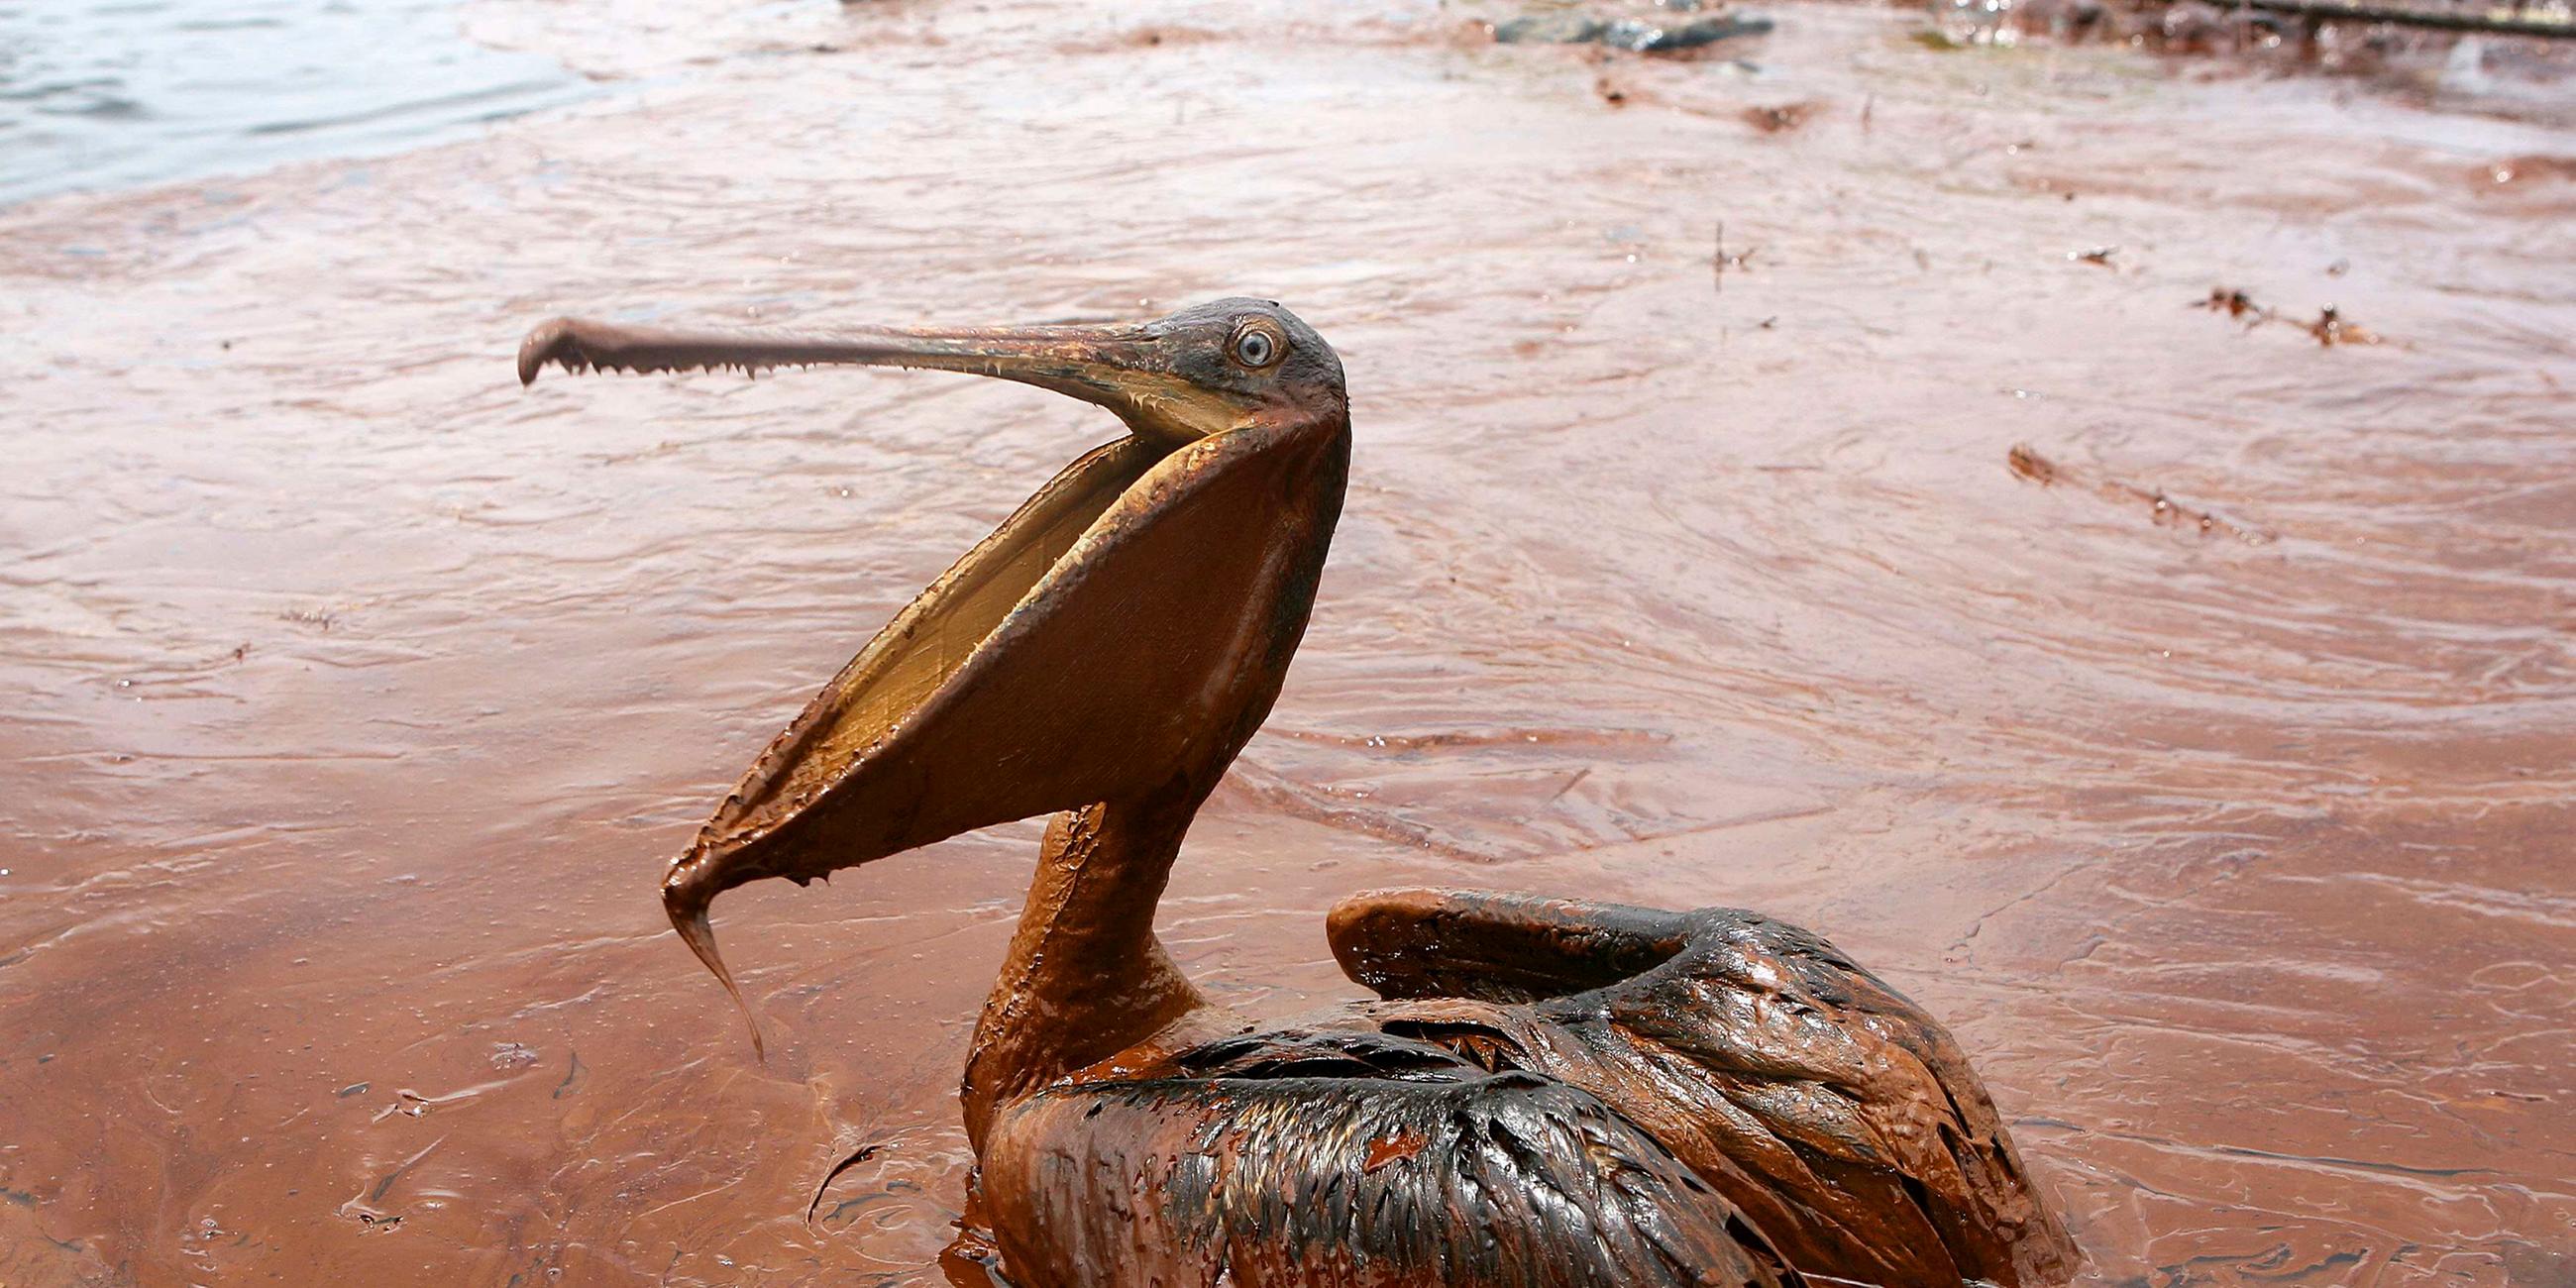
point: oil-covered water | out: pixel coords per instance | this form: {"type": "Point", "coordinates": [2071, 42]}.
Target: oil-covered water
{"type": "Point", "coordinates": [358, 696]}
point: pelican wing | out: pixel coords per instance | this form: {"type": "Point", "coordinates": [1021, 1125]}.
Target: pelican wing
{"type": "Point", "coordinates": [1335, 1167]}
{"type": "Point", "coordinates": [1840, 1117]}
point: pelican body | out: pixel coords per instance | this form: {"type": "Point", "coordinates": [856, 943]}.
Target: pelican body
{"type": "Point", "coordinates": [1546, 1092]}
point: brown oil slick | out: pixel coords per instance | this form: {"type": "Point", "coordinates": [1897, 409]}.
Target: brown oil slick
{"type": "Point", "coordinates": [358, 697]}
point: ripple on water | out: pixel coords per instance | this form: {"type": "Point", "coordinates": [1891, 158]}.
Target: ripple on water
{"type": "Point", "coordinates": [106, 95]}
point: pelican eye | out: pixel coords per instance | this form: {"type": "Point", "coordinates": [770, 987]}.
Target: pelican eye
{"type": "Point", "coordinates": [1255, 347]}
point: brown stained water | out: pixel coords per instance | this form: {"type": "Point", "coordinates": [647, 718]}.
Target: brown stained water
{"type": "Point", "coordinates": [357, 697]}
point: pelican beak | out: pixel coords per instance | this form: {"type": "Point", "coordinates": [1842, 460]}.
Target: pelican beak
{"type": "Point", "coordinates": [1106, 640]}
{"type": "Point", "coordinates": [1126, 370]}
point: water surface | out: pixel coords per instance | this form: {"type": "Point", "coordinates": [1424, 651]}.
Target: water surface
{"type": "Point", "coordinates": [110, 93]}
{"type": "Point", "coordinates": [359, 696]}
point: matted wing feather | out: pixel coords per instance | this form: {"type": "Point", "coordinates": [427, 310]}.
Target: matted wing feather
{"type": "Point", "coordinates": [1837, 1114]}
{"type": "Point", "coordinates": [1352, 1182]}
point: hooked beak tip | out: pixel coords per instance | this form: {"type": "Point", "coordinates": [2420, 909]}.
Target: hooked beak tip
{"type": "Point", "coordinates": [541, 347]}
{"type": "Point", "coordinates": [687, 904]}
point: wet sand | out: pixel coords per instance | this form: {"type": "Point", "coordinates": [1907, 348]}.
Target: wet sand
{"type": "Point", "coordinates": [359, 696]}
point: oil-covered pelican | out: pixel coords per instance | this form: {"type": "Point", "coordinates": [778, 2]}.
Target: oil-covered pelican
{"type": "Point", "coordinates": [1550, 1091]}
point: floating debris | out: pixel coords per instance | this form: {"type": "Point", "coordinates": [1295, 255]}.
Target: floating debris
{"type": "Point", "coordinates": [2235, 304]}
{"type": "Point", "coordinates": [2330, 327]}
{"type": "Point", "coordinates": [860, 1155]}
{"type": "Point", "coordinates": [1723, 261]}
{"type": "Point", "coordinates": [2026, 463]}
{"type": "Point", "coordinates": [2029, 464]}
{"type": "Point", "coordinates": [1783, 118]}
{"type": "Point", "coordinates": [1628, 33]}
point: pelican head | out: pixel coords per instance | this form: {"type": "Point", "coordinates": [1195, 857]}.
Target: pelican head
{"type": "Point", "coordinates": [1117, 639]}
